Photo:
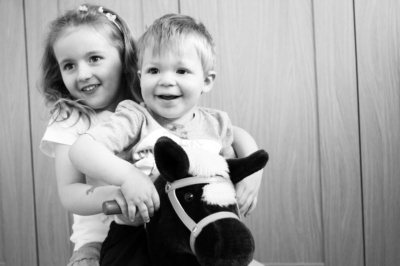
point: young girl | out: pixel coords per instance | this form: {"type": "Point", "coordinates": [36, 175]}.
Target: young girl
{"type": "Point", "coordinates": [177, 62]}
{"type": "Point", "coordinates": [89, 66]}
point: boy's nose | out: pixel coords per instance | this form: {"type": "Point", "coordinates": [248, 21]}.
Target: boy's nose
{"type": "Point", "coordinates": [166, 80]}
{"type": "Point", "coordinates": [84, 73]}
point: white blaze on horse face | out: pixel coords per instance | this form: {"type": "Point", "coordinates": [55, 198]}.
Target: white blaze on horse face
{"type": "Point", "coordinates": [207, 164]}
{"type": "Point", "coordinates": [222, 194]}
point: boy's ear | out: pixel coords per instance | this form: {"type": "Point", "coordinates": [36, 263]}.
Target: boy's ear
{"type": "Point", "coordinates": [209, 81]}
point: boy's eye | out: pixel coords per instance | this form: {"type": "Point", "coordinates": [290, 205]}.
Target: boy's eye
{"type": "Point", "coordinates": [94, 59]}
{"type": "Point", "coordinates": [182, 71]}
{"type": "Point", "coordinates": [153, 71]}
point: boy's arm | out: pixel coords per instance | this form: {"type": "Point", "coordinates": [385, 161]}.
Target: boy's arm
{"type": "Point", "coordinates": [247, 189]}
{"type": "Point", "coordinates": [77, 196]}
{"type": "Point", "coordinates": [95, 160]}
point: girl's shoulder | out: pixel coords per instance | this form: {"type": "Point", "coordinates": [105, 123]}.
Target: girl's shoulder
{"type": "Point", "coordinates": [72, 120]}
{"type": "Point", "coordinates": [64, 128]}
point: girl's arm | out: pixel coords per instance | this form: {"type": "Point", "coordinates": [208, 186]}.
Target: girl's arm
{"type": "Point", "coordinates": [77, 196]}
{"type": "Point", "coordinates": [247, 189]}
{"type": "Point", "coordinates": [95, 160]}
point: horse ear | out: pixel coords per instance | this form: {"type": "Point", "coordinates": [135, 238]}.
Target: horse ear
{"type": "Point", "coordinates": [240, 168]}
{"type": "Point", "coordinates": [171, 160]}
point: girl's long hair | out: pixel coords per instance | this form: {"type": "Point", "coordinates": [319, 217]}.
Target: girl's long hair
{"type": "Point", "coordinates": [117, 32]}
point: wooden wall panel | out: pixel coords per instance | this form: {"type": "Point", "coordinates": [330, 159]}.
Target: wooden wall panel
{"type": "Point", "coordinates": [154, 9]}
{"type": "Point", "coordinates": [266, 82]}
{"type": "Point", "coordinates": [378, 49]}
{"type": "Point", "coordinates": [17, 216]}
{"type": "Point", "coordinates": [53, 229]}
{"type": "Point", "coordinates": [339, 134]}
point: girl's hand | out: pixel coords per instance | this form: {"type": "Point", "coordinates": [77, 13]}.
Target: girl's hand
{"type": "Point", "coordinates": [247, 193]}
{"type": "Point", "coordinates": [141, 196]}
{"type": "Point", "coordinates": [124, 217]}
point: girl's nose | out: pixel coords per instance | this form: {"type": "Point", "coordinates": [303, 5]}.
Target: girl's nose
{"type": "Point", "coordinates": [84, 72]}
{"type": "Point", "coordinates": [167, 80]}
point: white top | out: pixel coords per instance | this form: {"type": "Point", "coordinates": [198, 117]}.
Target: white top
{"type": "Point", "coordinates": [86, 229]}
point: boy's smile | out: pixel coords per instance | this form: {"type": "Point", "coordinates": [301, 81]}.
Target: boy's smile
{"type": "Point", "coordinates": [172, 81]}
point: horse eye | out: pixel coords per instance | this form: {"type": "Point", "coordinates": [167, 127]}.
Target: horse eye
{"type": "Point", "coordinates": [189, 197]}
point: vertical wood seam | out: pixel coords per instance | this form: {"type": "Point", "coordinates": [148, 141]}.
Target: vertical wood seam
{"type": "Point", "coordinates": [317, 109]}
{"type": "Point", "coordinates": [359, 133]}
{"type": "Point", "coordinates": [30, 133]}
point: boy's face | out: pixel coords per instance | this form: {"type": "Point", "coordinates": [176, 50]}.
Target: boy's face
{"type": "Point", "coordinates": [90, 67]}
{"type": "Point", "coordinates": [172, 82]}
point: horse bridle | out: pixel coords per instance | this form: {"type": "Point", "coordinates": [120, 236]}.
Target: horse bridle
{"type": "Point", "coordinates": [195, 228]}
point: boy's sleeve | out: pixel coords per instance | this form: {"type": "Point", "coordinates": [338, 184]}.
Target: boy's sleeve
{"type": "Point", "coordinates": [226, 134]}
{"type": "Point", "coordinates": [122, 130]}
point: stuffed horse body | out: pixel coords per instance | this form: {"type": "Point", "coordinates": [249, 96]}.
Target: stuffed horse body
{"type": "Point", "coordinates": [198, 220]}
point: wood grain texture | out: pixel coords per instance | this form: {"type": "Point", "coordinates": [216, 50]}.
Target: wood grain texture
{"type": "Point", "coordinates": [378, 44]}
{"type": "Point", "coordinates": [266, 82]}
{"type": "Point", "coordinates": [17, 222]}
{"type": "Point", "coordinates": [339, 133]}
{"type": "Point", "coordinates": [53, 228]}
{"type": "Point", "coordinates": [153, 9]}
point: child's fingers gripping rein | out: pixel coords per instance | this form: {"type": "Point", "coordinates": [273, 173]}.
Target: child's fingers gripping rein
{"type": "Point", "coordinates": [148, 207]}
{"type": "Point", "coordinates": [139, 193]}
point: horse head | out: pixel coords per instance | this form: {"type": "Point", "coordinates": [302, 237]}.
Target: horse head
{"type": "Point", "coordinates": [199, 222]}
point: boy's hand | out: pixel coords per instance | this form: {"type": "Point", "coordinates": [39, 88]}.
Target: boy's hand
{"type": "Point", "coordinates": [141, 196]}
{"type": "Point", "coordinates": [247, 193]}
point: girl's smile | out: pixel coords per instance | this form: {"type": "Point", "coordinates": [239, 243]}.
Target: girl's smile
{"type": "Point", "coordinates": [90, 88]}
{"type": "Point", "coordinates": [90, 67]}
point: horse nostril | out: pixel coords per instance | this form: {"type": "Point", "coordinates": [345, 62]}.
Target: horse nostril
{"type": "Point", "coordinates": [189, 197]}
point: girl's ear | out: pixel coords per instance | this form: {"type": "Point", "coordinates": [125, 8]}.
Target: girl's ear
{"type": "Point", "coordinates": [209, 81]}
{"type": "Point", "coordinates": [139, 73]}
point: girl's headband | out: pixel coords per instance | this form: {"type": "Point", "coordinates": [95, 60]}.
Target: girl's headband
{"type": "Point", "coordinates": [110, 16]}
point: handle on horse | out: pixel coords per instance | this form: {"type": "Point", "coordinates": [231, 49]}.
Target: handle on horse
{"type": "Point", "coordinates": [111, 207]}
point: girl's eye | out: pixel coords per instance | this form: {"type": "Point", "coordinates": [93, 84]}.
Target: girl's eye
{"type": "Point", "coordinates": [189, 197]}
{"type": "Point", "coordinates": [182, 71]}
{"type": "Point", "coordinates": [68, 67]}
{"type": "Point", "coordinates": [94, 59]}
{"type": "Point", "coordinates": [153, 71]}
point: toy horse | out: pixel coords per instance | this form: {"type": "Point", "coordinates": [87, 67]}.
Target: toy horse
{"type": "Point", "coordinates": [198, 221]}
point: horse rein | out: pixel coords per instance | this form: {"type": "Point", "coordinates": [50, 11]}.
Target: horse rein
{"type": "Point", "coordinates": [195, 228]}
